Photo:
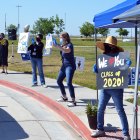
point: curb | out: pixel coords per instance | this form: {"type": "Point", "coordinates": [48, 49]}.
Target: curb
{"type": "Point", "coordinates": [70, 118]}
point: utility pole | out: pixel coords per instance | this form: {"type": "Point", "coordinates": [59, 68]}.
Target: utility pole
{"type": "Point", "coordinates": [65, 21]}
{"type": "Point", "coordinates": [18, 6]}
{"type": "Point", "coordinates": [5, 23]}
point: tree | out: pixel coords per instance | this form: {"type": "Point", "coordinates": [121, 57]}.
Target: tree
{"type": "Point", "coordinates": [59, 25]}
{"type": "Point", "coordinates": [51, 25]}
{"type": "Point", "coordinates": [122, 32]}
{"type": "Point", "coordinates": [33, 31]}
{"type": "Point", "coordinates": [87, 29]}
{"type": "Point", "coordinates": [44, 26]}
{"type": "Point", "coordinates": [103, 31]}
{"type": "Point", "coordinates": [11, 26]}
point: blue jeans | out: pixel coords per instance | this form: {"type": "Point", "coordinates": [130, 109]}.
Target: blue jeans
{"type": "Point", "coordinates": [117, 96]}
{"type": "Point", "coordinates": [37, 63]}
{"type": "Point", "coordinates": [67, 72]}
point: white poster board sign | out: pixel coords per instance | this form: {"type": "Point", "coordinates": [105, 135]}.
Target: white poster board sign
{"type": "Point", "coordinates": [80, 62]}
{"type": "Point", "coordinates": [48, 47]}
{"type": "Point", "coordinates": [23, 42]}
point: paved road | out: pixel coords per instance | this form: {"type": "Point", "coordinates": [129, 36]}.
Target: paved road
{"type": "Point", "coordinates": [23, 117]}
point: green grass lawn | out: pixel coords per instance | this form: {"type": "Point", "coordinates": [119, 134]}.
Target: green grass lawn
{"type": "Point", "coordinates": [132, 99]}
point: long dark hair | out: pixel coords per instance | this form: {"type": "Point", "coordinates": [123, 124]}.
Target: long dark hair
{"type": "Point", "coordinates": [66, 36]}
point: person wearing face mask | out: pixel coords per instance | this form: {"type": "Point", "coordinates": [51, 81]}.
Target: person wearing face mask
{"type": "Point", "coordinates": [67, 69]}
{"type": "Point", "coordinates": [3, 53]}
{"type": "Point", "coordinates": [35, 50]}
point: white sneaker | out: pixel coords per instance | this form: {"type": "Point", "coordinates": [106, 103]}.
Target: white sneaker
{"type": "Point", "coordinates": [34, 85]}
{"type": "Point", "coordinates": [98, 133]}
{"type": "Point", "coordinates": [72, 104]}
{"type": "Point", "coordinates": [127, 138]}
{"type": "Point", "coordinates": [62, 99]}
{"type": "Point", "coordinates": [45, 86]}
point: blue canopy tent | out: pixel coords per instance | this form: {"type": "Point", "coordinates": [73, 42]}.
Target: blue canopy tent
{"type": "Point", "coordinates": [104, 19]}
{"type": "Point", "coordinates": [132, 15]}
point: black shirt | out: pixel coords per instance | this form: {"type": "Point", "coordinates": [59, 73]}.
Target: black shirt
{"type": "Point", "coordinates": [36, 50]}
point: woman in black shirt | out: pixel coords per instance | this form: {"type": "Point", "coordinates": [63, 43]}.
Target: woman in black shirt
{"type": "Point", "coordinates": [35, 50]}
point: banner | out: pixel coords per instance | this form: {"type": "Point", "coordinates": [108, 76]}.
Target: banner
{"type": "Point", "coordinates": [79, 61]}
{"type": "Point", "coordinates": [48, 47]}
{"type": "Point", "coordinates": [23, 43]}
{"type": "Point", "coordinates": [112, 71]}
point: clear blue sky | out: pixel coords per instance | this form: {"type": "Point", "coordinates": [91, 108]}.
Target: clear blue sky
{"type": "Point", "coordinates": [73, 12]}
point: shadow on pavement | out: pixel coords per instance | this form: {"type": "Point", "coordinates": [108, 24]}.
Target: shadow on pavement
{"type": "Point", "coordinates": [19, 72]}
{"type": "Point", "coordinates": [93, 101]}
{"type": "Point", "coordinates": [57, 87]}
{"type": "Point", "coordinates": [112, 137]}
{"type": "Point", "coordinates": [110, 128]}
{"type": "Point", "coordinates": [10, 128]}
{"type": "Point", "coordinates": [112, 133]}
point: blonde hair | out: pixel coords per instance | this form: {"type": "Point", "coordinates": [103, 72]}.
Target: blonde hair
{"type": "Point", "coordinates": [66, 36]}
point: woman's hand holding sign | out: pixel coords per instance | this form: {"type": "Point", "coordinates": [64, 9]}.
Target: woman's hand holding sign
{"type": "Point", "coordinates": [54, 42]}
{"type": "Point", "coordinates": [94, 69]}
{"type": "Point", "coordinates": [128, 62]}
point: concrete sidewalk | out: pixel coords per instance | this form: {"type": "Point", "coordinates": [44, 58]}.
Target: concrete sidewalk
{"type": "Point", "coordinates": [23, 117]}
{"type": "Point", "coordinates": [22, 82]}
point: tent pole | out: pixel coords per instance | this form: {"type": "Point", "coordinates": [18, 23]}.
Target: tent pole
{"type": "Point", "coordinates": [135, 108]}
{"type": "Point", "coordinates": [95, 32]}
{"type": "Point", "coordinates": [137, 49]}
{"type": "Point", "coordinates": [136, 42]}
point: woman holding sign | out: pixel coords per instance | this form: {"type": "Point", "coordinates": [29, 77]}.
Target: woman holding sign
{"type": "Point", "coordinates": [67, 69]}
{"type": "Point", "coordinates": [35, 50]}
{"type": "Point", "coordinates": [110, 47]}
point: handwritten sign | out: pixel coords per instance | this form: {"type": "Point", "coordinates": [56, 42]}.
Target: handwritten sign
{"type": "Point", "coordinates": [23, 43]}
{"type": "Point", "coordinates": [112, 71]}
{"type": "Point", "coordinates": [48, 47]}
{"type": "Point", "coordinates": [79, 61]}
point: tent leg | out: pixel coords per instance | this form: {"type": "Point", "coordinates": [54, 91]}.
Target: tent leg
{"type": "Point", "coordinates": [95, 32]}
{"type": "Point", "coordinates": [136, 42]}
{"type": "Point", "coordinates": [135, 108]}
{"type": "Point", "coordinates": [134, 127]}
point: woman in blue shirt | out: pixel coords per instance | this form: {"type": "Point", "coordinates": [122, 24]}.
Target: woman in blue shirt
{"type": "Point", "coordinates": [67, 69]}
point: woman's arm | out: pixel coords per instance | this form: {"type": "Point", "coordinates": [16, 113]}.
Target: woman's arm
{"type": "Point", "coordinates": [63, 48]}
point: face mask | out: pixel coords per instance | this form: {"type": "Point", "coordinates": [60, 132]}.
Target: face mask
{"type": "Point", "coordinates": [38, 39]}
{"type": "Point", "coordinates": [61, 41]}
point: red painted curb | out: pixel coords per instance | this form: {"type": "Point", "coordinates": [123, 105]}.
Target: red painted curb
{"type": "Point", "coordinates": [67, 115]}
